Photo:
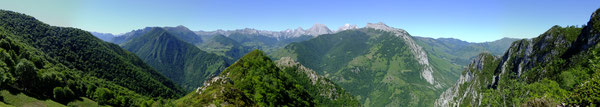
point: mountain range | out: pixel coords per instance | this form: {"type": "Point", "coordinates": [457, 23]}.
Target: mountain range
{"type": "Point", "coordinates": [375, 65]}
{"type": "Point", "coordinates": [462, 52]}
{"type": "Point", "coordinates": [65, 64]}
{"type": "Point", "coordinates": [178, 60]}
{"type": "Point", "coordinates": [415, 62]}
{"type": "Point", "coordinates": [377, 60]}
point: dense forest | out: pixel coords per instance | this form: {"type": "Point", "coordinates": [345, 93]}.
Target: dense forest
{"type": "Point", "coordinates": [178, 60]}
{"type": "Point", "coordinates": [66, 64]}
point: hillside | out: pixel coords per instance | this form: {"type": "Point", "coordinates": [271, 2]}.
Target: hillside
{"type": "Point", "coordinates": [181, 32]}
{"type": "Point", "coordinates": [64, 64]}
{"type": "Point", "coordinates": [178, 60]}
{"type": "Point", "coordinates": [255, 80]}
{"type": "Point", "coordinates": [559, 67]}
{"type": "Point", "coordinates": [224, 46]}
{"type": "Point", "coordinates": [382, 66]}
{"type": "Point", "coordinates": [462, 52]}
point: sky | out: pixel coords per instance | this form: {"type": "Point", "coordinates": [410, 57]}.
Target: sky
{"type": "Point", "coordinates": [469, 20]}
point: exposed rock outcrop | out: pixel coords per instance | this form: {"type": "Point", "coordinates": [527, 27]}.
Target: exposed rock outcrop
{"type": "Point", "coordinates": [417, 50]}
{"type": "Point", "coordinates": [469, 83]}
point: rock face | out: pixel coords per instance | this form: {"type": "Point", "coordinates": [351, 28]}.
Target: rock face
{"type": "Point", "coordinates": [420, 55]}
{"type": "Point", "coordinates": [590, 35]}
{"type": "Point", "coordinates": [289, 62]}
{"type": "Point", "coordinates": [295, 32]}
{"type": "Point", "coordinates": [469, 83]}
{"type": "Point", "coordinates": [522, 56]}
{"type": "Point", "coordinates": [267, 41]}
{"type": "Point", "coordinates": [325, 87]}
{"type": "Point", "coordinates": [546, 59]}
{"type": "Point", "coordinates": [318, 29]}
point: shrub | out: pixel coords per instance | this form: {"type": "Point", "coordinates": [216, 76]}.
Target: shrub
{"type": "Point", "coordinates": [63, 95]}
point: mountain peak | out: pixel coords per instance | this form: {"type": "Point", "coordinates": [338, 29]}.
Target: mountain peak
{"type": "Point", "coordinates": [384, 27]}
{"type": "Point", "coordinates": [347, 27]}
{"type": "Point", "coordinates": [417, 50]}
{"type": "Point", "coordinates": [318, 29]}
{"type": "Point", "coordinates": [157, 32]}
{"type": "Point", "coordinates": [319, 25]}
{"type": "Point", "coordinates": [379, 25]}
{"type": "Point", "coordinates": [299, 29]}
{"type": "Point", "coordinates": [180, 26]}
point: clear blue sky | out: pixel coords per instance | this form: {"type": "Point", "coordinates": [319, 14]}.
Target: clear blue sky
{"type": "Point", "coordinates": [470, 20]}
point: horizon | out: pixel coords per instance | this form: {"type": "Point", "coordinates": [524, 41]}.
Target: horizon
{"type": "Point", "coordinates": [471, 20]}
{"type": "Point", "coordinates": [120, 34]}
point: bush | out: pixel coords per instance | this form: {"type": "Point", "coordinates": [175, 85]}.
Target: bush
{"type": "Point", "coordinates": [587, 94]}
{"type": "Point", "coordinates": [63, 95]}
{"type": "Point", "coordinates": [103, 95]}
{"type": "Point", "coordinates": [25, 72]}
{"type": "Point", "coordinates": [539, 102]}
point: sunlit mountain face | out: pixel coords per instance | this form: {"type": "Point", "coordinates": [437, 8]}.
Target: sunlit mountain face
{"type": "Point", "coordinates": [299, 53]}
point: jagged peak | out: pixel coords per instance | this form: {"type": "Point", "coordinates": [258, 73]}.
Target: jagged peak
{"type": "Point", "coordinates": [376, 24]}
{"type": "Point", "coordinates": [347, 27]}
{"type": "Point", "coordinates": [479, 60]}
{"type": "Point", "coordinates": [595, 14]}
{"type": "Point", "coordinates": [289, 62]}
{"type": "Point", "coordinates": [384, 27]}
{"type": "Point", "coordinates": [318, 29]}
{"type": "Point", "coordinates": [249, 30]}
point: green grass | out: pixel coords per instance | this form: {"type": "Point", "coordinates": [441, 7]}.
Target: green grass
{"type": "Point", "coordinates": [84, 102]}
{"type": "Point", "coordinates": [20, 100]}
{"type": "Point", "coordinates": [2, 104]}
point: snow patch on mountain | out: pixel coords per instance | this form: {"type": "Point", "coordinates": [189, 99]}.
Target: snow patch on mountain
{"type": "Point", "coordinates": [316, 30]}
{"type": "Point", "coordinates": [346, 27]}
